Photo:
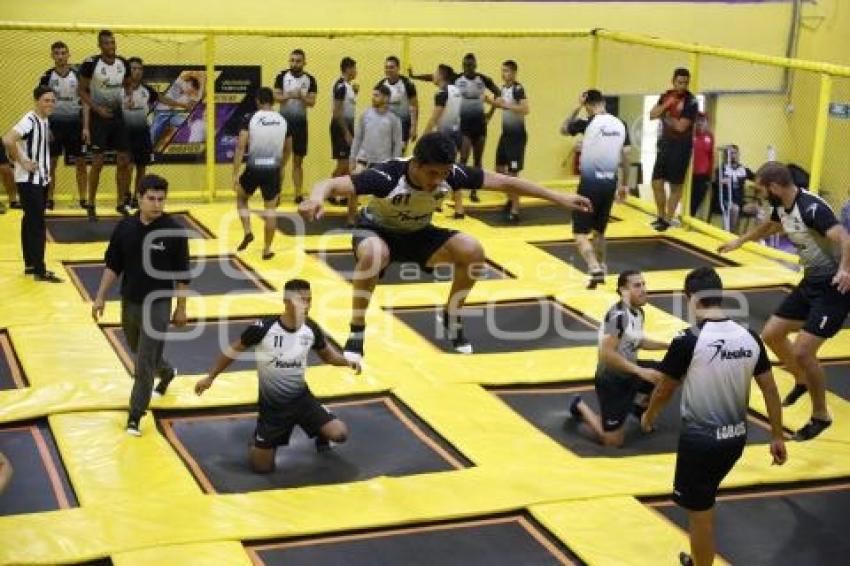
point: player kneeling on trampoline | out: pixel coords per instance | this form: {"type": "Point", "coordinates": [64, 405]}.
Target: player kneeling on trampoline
{"type": "Point", "coordinates": [620, 377]}
{"type": "Point", "coordinates": [395, 225]}
{"type": "Point", "coordinates": [281, 345]}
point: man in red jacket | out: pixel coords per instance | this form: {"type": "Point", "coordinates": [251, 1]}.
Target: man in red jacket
{"type": "Point", "coordinates": [703, 168]}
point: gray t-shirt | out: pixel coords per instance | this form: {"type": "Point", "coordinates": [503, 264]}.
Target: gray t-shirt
{"type": "Point", "coordinates": [626, 324]}
{"type": "Point", "coordinates": [605, 136]}
{"type": "Point", "coordinates": [106, 80]}
{"type": "Point", "coordinates": [136, 105]}
{"type": "Point", "coordinates": [806, 224]}
{"type": "Point", "coordinates": [294, 110]}
{"type": "Point", "coordinates": [66, 89]}
{"type": "Point", "coordinates": [377, 137]}
{"type": "Point", "coordinates": [266, 135]}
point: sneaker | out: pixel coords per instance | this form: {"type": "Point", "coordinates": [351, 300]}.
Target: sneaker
{"type": "Point", "coordinates": [596, 278]}
{"type": "Point", "coordinates": [49, 204]}
{"type": "Point", "coordinates": [16, 204]}
{"type": "Point", "coordinates": [29, 271]}
{"type": "Point", "coordinates": [83, 204]}
{"type": "Point", "coordinates": [166, 376]}
{"type": "Point", "coordinates": [685, 559]}
{"type": "Point", "coordinates": [473, 196]}
{"type": "Point", "coordinates": [660, 225]}
{"type": "Point", "coordinates": [796, 392]}
{"type": "Point", "coordinates": [299, 199]}
{"type": "Point", "coordinates": [124, 209]}
{"type": "Point", "coordinates": [459, 216]}
{"type": "Point", "coordinates": [812, 428]}
{"type": "Point", "coordinates": [91, 213]}
{"type": "Point", "coordinates": [133, 427]}
{"type": "Point", "coordinates": [245, 242]}
{"type": "Point", "coordinates": [268, 255]}
{"type": "Point", "coordinates": [454, 332]}
{"type": "Point", "coordinates": [513, 218]}
{"type": "Point", "coordinates": [322, 444]}
{"type": "Point", "coordinates": [353, 349]}
{"type": "Point", "coordinates": [47, 277]}
{"type": "Point", "coordinates": [675, 223]}
{"type": "Point", "coordinates": [574, 412]}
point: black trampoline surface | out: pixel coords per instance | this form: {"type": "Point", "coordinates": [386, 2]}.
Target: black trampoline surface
{"type": "Point", "coordinates": [838, 377]}
{"type": "Point", "coordinates": [644, 254]}
{"type": "Point", "coordinates": [400, 273]}
{"type": "Point", "coordinates": [11, 374]}
{"type": "Point", "coordinates": [39, 482]}
{"type": "Point", "coordinates": [77, 228]}
{"type": "Point", "coordinates": [216, 276]}
{"type": "Point", "coordinates": [508, 541]}
{"type": "Point", "coordinates": [385, 439]}
{"type": "Point", "coordinates": [529, 215]}
{"type": "Point", "coordinates": [755, 305]}
{"type": "Point", "coordinates": [507, 327]}
{"type": "Point", "coordinates": [196, 355]}
{"type": "Point", "coordinates": [547, 409]}
{"type": "Point", "coordinates": [793, 527]}
{"type": "Point", "coordinates": [291, 224]}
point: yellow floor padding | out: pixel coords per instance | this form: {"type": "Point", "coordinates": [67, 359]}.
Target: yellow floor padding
{"type": "Point", "coordinates": [139, 504]}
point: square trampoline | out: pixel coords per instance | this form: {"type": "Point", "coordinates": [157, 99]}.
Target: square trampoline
{"type": "Point", "coordinates": [385, 439]}
{"type": "Point", "coordinates": [402, 273]}
{"type": "Point", "coordinates": [529, 215]}
{"type": "Point", "coordinates": [546, 407]}
{"type": "Point", "coordinates": [515, 326]}
{"type": "Point", "coordinates": [194, 348]}
{"type": "Point", "coordinates": [218, 275]}
{"type": "Point", "coordinates": [796, 526]}
{"type": "Point", "coordinates": [75, 229]}
{"type": "Point", "coordinates": [11, 373]}
{"type": "Point", "coordinates": [39, 482]}
{"type": "Point", "coordinates": [486, 541]}
{"type": "Point", "coordinates": [657, 253]}
{"type": "Point", "coordinates": [291, 224]}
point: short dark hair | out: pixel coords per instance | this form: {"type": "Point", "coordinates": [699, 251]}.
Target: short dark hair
{"type": "Point", "coordinates": [138, 60]}
{"type": "Point", "coordinates": [435, 149]}
{"type": "Point", "coordinates": [469, 57]}
{"type": "Point", "coordinates": [298, 52]}
{"type": "Point", "coordinates": [384, 89]}
{"type": "Point", "coordinates": [194, 82]}
{"type": "Point", "coordinates": [265, 95]}
{"type": "Point", "coordinates": [510, 64]}
{"type": "Point", "coordinates": [296, 285]}
{"type": "Point", "coordinates": [40, 91]}
{"type": "Point", "coordinates": [104, 33]}
{"type": "Point", "coordinates": [393, 59]}
{"type": "Point", "coordinates": [774, 172]}
{"type": "Point", "coordinates": [346, 63]}
{"type": "Point", "coordinates": [593, 96]}
{"type": "Point", "coordinates": [153, 183]}
{"type": "Point", "coordinates": [681, 72]}
{"type": "Point", "coordinates": [623, 277]}
{"type": "Point", "coordinates": [58, 45]}
{"type": "Point", "coordinates": [705, 284]}
{"type": "Point", "coordinates": [445, 71]}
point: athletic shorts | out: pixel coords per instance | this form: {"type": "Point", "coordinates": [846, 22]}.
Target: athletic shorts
{"type": "Point", "coordinates": [616, 393]}
{"type": "Point", "coordinates": [816, 301]}
{"type": "Point", "coordinates": [340, 149]}
{"type": "Point", "coordinates": [511, 151]}
{"type": "Point", "coordinates": [297, 130]}
{"type": "Point", "coordinates": [108, 133]}
{"type": "Point", "coordinates": [453, 135]}
{"type": "Point", "coordinates": [672, 160]}
{"type": "Point", "coordinates": [474, 127]}
{"type": "Point", "coordinates": [140, 145]}
{"type": "Point", "coordinates": [67, 138]}
{"type": "Point", "coordinates": [275, 422]}
{"type": "Point", "coordinates": [405, 247]}
{"type": "Point", "coordinates": [405, 129]}
{"type": "Point", "coordinates": [702, 462]}
{"type": "Point", "coordinates": [601, 193]}
{"type": "Point", "coordinates": [268, 180]}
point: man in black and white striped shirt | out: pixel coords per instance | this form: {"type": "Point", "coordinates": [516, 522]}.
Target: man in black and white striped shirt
{"type": "Point", "coordinates": [27, 145]}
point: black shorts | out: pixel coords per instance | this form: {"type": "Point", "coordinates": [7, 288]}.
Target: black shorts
{"type": "Point", "coordinates": [275, 422]}
{"type": "Point", "coordinates": [67, 138]}
{"type": "Point", "coordinates": [453, 135]}
{"type": "Point", "coordinates": [616, 393]}
{"type": "Point", "coordinates": [340, 149]}
{"type": "Point", "coordinates": [511, 151]}
{"type": "Point", "coordinates": [701, 464]}
{"type": "Point", "coordinates": [405, 129]}
{"type": "Point", "coordinates": [816, 301]}
{"type": "Point", "coordinates": [297, 130]}
{"type": "Point", "coordinates": [473, 127]}
{"type": "Point", "coordinates": [140, 145]}
{"type": "Point", "coordinates": [601, 193]}
{"type": "Point", "coordinates": [672, 160]}
{"type": "Point", "coordinates": [268, 180]}
{"type": "Point", "coordinates": [108, 133]}
{"type": "Point", "coordinates": [415, 247]}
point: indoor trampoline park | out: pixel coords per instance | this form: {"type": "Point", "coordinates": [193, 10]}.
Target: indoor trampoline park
{"type": "Point", "coordinates": [639, 356]}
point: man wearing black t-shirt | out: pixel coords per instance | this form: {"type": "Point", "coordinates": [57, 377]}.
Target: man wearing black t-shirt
{"type": "Point", "coordinates": [677, 108]}
{"type": "Point", "coordinates": [820, 302]}
{"type": "Point", "coordinates": [150, 252]}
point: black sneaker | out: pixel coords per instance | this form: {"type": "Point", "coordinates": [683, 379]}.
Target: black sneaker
{"type": "Point", "coordinates": [16, 204]}
{"type": "Point", "coordinates": [574, 412]}
{"type": "Point", "coordinates": [299, 199]}
{"type": "Point", "coordinates": [133, 427]}
{"type": "Point", "coordinates": [811, 429]}
{"type": "Point", "coordinates": [29, 271]}
{"type": "Point", "coordinates": [49, 204]}
{"type": "Point", "coordinates": [166, 376]}
{"type": "Point", "coordinates": [268, 255]}
{"type": "Point", "coordinates": [91, 213]}
{"type": "Point", "coordinates": [596, 278]}
{"type": "Point", "coordinates": [459, 216]}
{"type": "Point", "coordinates": [322, 444]}
{"type": "Point", "coordinates": [685, 559]}
{"type": "Point", "coordinates": [246, 241]}
{"type": "Point", "coordinates": [353, 349]}
{"type": "Point", "coordinates": [473, 196]}
{"type": "Point", "coordinates": [47, 277]}
{"type": "Point", "coordinates": [454, 332]}
{"type": "Point", "coordinates": [660, 225]}
{"type": "Point", "coordinates": [796, 392]}
{"type": "Point", "coordinates": [83, 204]}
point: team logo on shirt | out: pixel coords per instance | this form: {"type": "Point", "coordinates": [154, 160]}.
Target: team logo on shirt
{"type": "Point", "coordinates": [158, 246]}
{"type": "Point", "coordinates": [720, 349]}
{"type": "Point", "coordinates": [813, 208]}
